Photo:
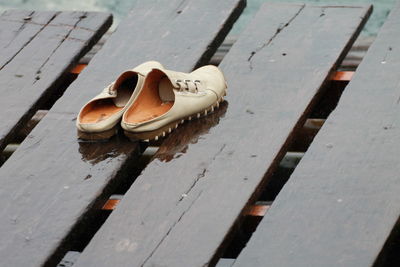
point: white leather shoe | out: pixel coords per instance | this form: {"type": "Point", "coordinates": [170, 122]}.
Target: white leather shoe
{"type": "Point", "coordinates": [168, 98]}
{"type": "Point", "coordinates": [99, 117]}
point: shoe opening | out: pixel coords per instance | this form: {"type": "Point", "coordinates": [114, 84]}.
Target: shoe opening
{"type": "Point", "coordinates": [155, 99]}
{"type": "Point", "coordinates": [102, 109]}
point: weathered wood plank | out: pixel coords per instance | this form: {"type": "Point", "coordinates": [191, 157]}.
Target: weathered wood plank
{"type": "Point", "coordinates": [36, 59]}
{"type": "Point", "coordinates": [52, 181]}
{"type": "Point", "coordinates": [181, 208]}
{"type": "Point", "coordinates": [343, 199]}
{"type": "Point", "coordinates": [18, 28]}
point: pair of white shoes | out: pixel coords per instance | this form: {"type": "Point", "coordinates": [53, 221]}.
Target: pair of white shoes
{"type": "Point", "coordinates": [150, 101]}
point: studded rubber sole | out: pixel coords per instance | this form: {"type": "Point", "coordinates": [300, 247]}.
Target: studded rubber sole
{"type": "Point", "coordinates": [167, 129]}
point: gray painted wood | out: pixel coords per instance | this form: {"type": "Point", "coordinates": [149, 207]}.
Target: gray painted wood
{"type": "Point", "coordinates": [50, 185]}
{"type": "Point", "coordinates": [37, 50]}
{"type": "Point", "coordinates": [225, 263]}
{"type": "Point", "coordinates": [181, 208]}
{"type": "Point", "coordinates": [17, 28]}
{"type": "Point", "coordinates": [343, 200]}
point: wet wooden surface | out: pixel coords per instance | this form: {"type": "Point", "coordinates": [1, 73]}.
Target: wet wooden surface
{"type": "Point", "coordinates": [53, 180]}
{"type": "Point", "coordinates": [179, 211]}
{"type": "Point", "coordinates": [37, 50]}
{"type": "Point", "coordinates": [343, 200]}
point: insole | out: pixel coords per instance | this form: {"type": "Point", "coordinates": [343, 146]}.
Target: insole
{"type": "Point", "coordinates": [152, 102]}
{"type": "Point", "coordinates": [125, 91]}
{"type": "Point", "coordinates": [99, 111]}
{"type": "Point", "coordinates": [165, 90]}
{"type": "Point", "coordinates": [104, 108]}
{"type": "Point", "coordinates": [146, 114]}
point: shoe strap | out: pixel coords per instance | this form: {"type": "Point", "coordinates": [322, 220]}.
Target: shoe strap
{"type": "Point", "coordinates": [181, 82]}
{"type": "Point", "coordinates": [192, 86]}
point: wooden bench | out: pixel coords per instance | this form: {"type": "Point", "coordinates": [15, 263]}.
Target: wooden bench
{"type": "Point", "coordinates": [37, 50]}
{"type": "Point", "coordinates": [188, 206]}
{"type": "Point", "coordinates": [178, 213]}
{"type": "Point", "coordinates": [53, 183]}
{"type": "Point", "coordinates": [342, 202]}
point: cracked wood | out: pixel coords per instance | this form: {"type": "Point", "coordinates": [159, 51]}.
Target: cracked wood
{"type": "Point", "coordinates": [54, 181]}
{"type": "Point", "coordinates": [342, 203]}
{"type": "Point", "coordinates": [38, 49]}
{"type": "Point", "coordinates": [237, 155]}
{"type": "Point", "coordinates": [278, 30]}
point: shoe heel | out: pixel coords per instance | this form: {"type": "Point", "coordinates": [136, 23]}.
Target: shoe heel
{"type": "Point", "coordinates": [97, 136]}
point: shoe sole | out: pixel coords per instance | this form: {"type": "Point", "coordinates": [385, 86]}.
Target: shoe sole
{"type": "Point", "coordinates": [167, 129]}
{"type": "Point", "coordinates": [97, 136]}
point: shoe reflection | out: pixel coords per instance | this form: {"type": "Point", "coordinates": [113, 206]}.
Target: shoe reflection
{"type": "Point", "coordinates": [105, 151]}
{"type": "Point", "coordinates": [177, 143]}
{"type": "Point", "coordinates": [173, 146]}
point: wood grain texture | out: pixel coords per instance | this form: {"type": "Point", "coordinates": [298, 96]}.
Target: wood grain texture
{"type": "Point", "coordinates": [53, 180]}
{"type": "Point", "coordinates": [343, 199]}
{"type": "Point", "coordinates": [181, 208]}
{"type": "Point", "coordinates": [18, 28]}
{"type": "Point", "coordinates": [37, 50]}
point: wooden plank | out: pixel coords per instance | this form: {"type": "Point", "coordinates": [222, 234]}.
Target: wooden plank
{"type": "Point", "coordinates": [17, 28]}
{"type": "Point", "coordinates": [343, 76]}
{"type": "Point", "coordinates": [257, 210]}
{"type": "Point", "coordinates": [225, 263]}
{"type": "Point", "coordinates": [343, 200]}
{"type": "Point", "coordinates": [51, 183]}
{"type": "Point", "coordinates": [35, 61]}
{"type": "Point", "coordinates": [181, 208]}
